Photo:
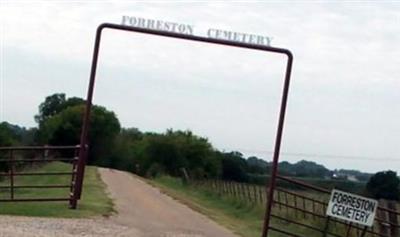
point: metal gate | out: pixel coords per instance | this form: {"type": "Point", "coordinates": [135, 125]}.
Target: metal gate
{"type": "Point", "coordinates": [309, 207]}
{"type": "Point", "coordinates": [18, 165]}
{"type": "Point", "coordinates": [285, 90]}
{"type": "Point", "coordinates": [78, 173]}
{"type": "Point", "coordinates": [303, 207]}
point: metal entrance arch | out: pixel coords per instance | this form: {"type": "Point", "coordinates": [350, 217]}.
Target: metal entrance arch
{"type": "Point", "coordinates": [86, 120]}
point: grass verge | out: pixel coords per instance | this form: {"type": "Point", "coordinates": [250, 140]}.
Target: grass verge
{"type": "Point", "coordinates": [240, 217]}
{"type": "Point", "coordinates": [94, 200]}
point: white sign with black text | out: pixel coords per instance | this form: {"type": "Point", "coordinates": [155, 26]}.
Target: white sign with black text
{"type": "Point", "coordinates": [351, 207]}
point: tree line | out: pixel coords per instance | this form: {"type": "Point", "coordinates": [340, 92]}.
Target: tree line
{"type": "Point", "coordinates": [59, 122]}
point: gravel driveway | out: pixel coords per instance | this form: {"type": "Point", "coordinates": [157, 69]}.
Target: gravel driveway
{"type": "Point", "coordinates": [143, 211]}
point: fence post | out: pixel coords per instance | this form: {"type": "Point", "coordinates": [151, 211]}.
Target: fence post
{"type": "Point", "coordinates": [255, 193]}
{"type": "Point", "coordinates": [383, 228]}
{"type": "Point", "coordinates": [326, 228]}
{"type": "Point", "coordinates": [73, 201]}
{"type": "Point", "coordinates": [393, 218]}
{"type": "Point", "coordinates": [349, 229]}
{"type": "Point", "coordinates": [243, 191]}
{"type": "Point", "coordinates": [279, 199]}
{"type": "Point", "coordinates": [230, 188]}
{"type": "Point", "coordinates": [287, 205]}
{"type": "Point", "coordinates": [364, 231]}
{"type": "Point", "coordinates": [11, 175]}
{"type": "Point", "coordinates": [248, 192]}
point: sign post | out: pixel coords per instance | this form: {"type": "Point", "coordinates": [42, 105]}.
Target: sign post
{"type": "Point", "coordinates": [351, 207]}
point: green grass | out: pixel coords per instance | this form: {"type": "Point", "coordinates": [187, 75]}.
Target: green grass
{"type": "Point", "coordinates": [94, 199]}
{"type": "Point", "coordinates": [240, 216]}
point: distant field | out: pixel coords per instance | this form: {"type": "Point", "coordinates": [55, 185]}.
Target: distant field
{"type": "Point", "coordinates": [94, 199]}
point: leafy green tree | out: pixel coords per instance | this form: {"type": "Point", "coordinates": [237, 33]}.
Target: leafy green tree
{"type": "Point", "coordinates": [174, 150]}
{"type": "Point", "coordinates": [7, 137]}
{"type": "Point", "coordinates": [64, 128]}
{"type": "Point", "coordinates": [234, 166]}
{"type": "Point", "coordinates": [159, 150]}
{"type": "Point", "coordinates": [200, 158]}
{"type": "Point", "coordinates": [54, 104]}
{"type": "Point", "coordinates": [385, 185]}
{"type": "Point", "coordinates": [123, 155]}
{"type": "Point", "coordinates": [256, 165]}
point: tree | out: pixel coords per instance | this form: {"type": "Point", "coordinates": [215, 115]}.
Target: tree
{"type": "Point", "coordinates": [173, 150]}
{"type": "Point", "coordinates": [54, 104]}
{"type": "Point", "coordinates": [234, 167]}
{"type": "Point", "coordinates": [7, 137]}
{"type": "Point", "coordinates": [123, 155]}
{"type": "Point", "coordinates": [64, 128]}
{"type": "Point", "coordinates": [198, 153]}
{"type": "Point", "coordinates": [385, 185]}
{"type": "Point", "coordinates": [256, 165]}
{"type": "Point", "coordinates": [158, 151]}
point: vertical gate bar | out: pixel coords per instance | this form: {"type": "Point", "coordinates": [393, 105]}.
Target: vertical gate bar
{"type": "Point", "coordinates": [73, 200]}
{"type": "Point", "coordinates": [277, 148]}
{"type": "Point", "coordinates": [279, 199]}
{"type": "Point", "coordinates": [373, 229]}
{"type": "Point", "coordinates": [364, 231]}
{"type": "Point", "coordinates": [304, 208]}
{"type": "Point", "coordinates": [287, 204]}
{"type": "Point", "coordinates": [313, 209]}
{"type": "Point", "coordinates": [349, 229]}
{"type": "Point", "coordinates": [326, 228]}
{"type": "Point", "coordinates": [83, 151]}
{"type": "Point", "coordinates": [11, 175]}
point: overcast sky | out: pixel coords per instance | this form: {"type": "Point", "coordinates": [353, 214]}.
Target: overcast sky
{"type": "Point", "coordinates": [344, 99]}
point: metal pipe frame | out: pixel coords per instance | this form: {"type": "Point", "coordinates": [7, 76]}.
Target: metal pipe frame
{"type": "Point", "coordinates": [9, 157]}
{"type": "Point", "coordinates": [83, 153]}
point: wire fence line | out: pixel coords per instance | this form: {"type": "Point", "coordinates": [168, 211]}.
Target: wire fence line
{"type": "Point", "coordinates": [304, 208]}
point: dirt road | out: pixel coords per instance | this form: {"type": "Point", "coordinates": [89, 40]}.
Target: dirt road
{"type": "Point", "coordinates": [150, 213]}
{"type": "Point", "coordinates": [142, 212]}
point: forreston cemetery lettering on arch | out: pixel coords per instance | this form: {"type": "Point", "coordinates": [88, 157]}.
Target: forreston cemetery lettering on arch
{"type": "Point", "coordinates": [190, 30]}
{"type": "Point", "coordinates": [351, 207]}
